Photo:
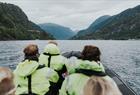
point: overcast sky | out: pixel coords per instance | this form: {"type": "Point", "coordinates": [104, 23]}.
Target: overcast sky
{"type": "Point", "coordinates": [76, 14]}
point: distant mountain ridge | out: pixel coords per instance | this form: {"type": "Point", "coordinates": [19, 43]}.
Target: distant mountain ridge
{"type": "Point", "coordinates": [93, 27]}
{"type": "Point", "coordinates": [58, 31]}
{"type": "Point", "coordinates": [14, 25]}
{"type": "Point", "coordinates": [123, 26]}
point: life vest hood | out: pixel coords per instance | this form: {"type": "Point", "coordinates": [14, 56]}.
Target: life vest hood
{"type": "Point", "coordinates": [88, 65]}
{"type": "Point", "coordinates": [26, 68]}
{"type": "Point", "coordinates": [52, 49]}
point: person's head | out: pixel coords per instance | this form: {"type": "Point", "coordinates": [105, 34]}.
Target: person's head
{"type": "Point", "coordinates": [52, 42]}
{"type": "Point", "coordinates": [100, 86]}
{"type": "Point", "coordinates": [6, 81]}
{"type": "Point", "coordinates": [52, 48]}
{"type": "Point", "coordinates": [31, 50]}
{"type": "Point", "coordinates": [91, 53]}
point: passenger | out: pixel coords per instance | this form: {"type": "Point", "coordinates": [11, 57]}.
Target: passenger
{"type": "Point", "coordinates": [53, 59]}
{"type": "Point", "coordinates": [85, 67]}
{"type": "Point", "coordinates": [100, 86]}
{"type": "Point", "coordinates": [90, 54]}
{"type": "Point", "coordinates": [6, 82]}
{"type": "Point", "coordinates": [32, 78]}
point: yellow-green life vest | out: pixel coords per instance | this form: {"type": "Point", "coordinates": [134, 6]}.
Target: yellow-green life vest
{"type": "Point", "coordinates": [57, 61]}
{"type": "Point", "coordinates": [41, 78]}
{"type": "Point", "coordinates": [85, 64]}
{"type": "Point", "coordinates": [74, 83]}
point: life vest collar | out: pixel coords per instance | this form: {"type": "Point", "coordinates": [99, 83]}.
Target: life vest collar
{"type": "Point", "coordinates": [90, 72]}
{"type": "Point", "coordinates": [50, 54]}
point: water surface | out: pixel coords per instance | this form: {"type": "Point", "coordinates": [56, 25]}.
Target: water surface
{"type": "Point", "coordinates": [121, 56]}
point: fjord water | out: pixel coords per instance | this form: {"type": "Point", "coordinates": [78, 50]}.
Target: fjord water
{"type": "Point", "coordinates": [121, 56]}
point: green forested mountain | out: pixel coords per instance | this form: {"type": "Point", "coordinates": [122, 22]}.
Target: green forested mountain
{"type": "Point", "coordinates": [94, 26]}
{"type": "Point", "coordinates": [58, 31]}
{"type": "Point", "coordinates": [125, 25]}
{"type": "Point", "coordinates": [14, 25]}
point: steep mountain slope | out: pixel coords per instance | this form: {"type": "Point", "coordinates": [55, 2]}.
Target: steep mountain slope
{"type": "Point", "coordinates": [14, 25]}
{"type": "Point", "coordinates": [94, 26]}
{"type": "Point", "coordinates": [125, 25]}
{"type": "Point", "coordinates": [58, 31]}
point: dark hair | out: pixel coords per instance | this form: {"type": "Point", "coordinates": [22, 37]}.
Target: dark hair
{"type": "Point", "coordinates": [31, 52]}
{"type": "Point", "coordinates": [91, 53]}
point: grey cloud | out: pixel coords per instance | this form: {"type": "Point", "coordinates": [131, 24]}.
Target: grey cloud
{"type": "Point", "coordinates": [76, 14]}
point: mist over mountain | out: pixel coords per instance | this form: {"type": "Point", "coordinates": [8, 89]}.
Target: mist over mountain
{"type": "Point", "coordinates": [58, 31]}
{"type": "Point", "coordinates": [15, 25]}
{"type": "Point", "coordinates": [123, 26]}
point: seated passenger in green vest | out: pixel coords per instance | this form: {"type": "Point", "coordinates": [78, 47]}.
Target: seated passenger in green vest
{"type": "Point", "coordinates": [84, 67]}
{"type": "Point", "coordinates": [90, 54]}
{"type": "Point", "coordinates": [52, 58]}
{"type": "Point", "coordinates": [32, 78]}
{"type": "Point", "coordinates": [100, 86]}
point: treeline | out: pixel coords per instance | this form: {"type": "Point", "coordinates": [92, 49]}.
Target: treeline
{"type": "Point", "coordinates": [14, 25]}
{"type": "Point", "coordinates": [123, 26]}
